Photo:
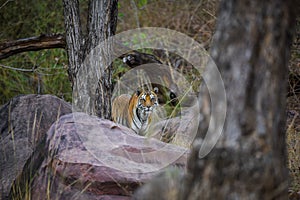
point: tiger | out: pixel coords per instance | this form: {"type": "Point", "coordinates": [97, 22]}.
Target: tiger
{"type": "Point", "coordinates": [135, 111]}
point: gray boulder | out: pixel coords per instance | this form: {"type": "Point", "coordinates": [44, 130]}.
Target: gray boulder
{"type": "Point", "coordinates": [24, 122]}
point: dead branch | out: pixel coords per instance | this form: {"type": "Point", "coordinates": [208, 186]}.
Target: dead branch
{"type": "Point", "coordinates": [10, 48]}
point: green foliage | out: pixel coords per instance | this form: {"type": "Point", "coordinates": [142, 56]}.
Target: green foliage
{"type": "Point", "coordinates": [119, 69]}
{"type": "Point", "coordinates": [21, 19]}
{"type": "Point", "coordinates": [142, 3]}
{"type": "Point", "coordinates": [49, 75]}
{"type": "Point", "coordinates": [120, 14]}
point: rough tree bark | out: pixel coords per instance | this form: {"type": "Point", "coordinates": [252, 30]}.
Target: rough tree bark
{"type": "Point", "coordinates": [102, 21]}
{"type": "Point", "coordinates": [251, 48]}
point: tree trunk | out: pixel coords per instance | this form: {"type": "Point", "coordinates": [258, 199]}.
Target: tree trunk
{"type": "Point", "coordinates": [251, 49]}
{"type": "Point", "coordinates": [74, 38]}
{"type": "Point", "coordinates": [101, 25]}
{"type": "Point", "coordinates": [91, 93]}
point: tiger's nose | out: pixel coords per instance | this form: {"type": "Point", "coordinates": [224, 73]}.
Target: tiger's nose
{"type": "Point", "coordinates": [148, 107]}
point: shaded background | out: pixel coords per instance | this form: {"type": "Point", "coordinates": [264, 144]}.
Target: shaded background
{"type": "Point", "coordinates": [27, 18]}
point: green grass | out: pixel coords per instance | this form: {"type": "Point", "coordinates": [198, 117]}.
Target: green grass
{"type": "Point", "coordinates": [48, 75]}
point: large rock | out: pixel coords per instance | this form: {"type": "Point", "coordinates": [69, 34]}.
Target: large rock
{"type": "Point", "coordinates": [24, 122]}
{"type": "Point", "coordinates": [92, 158]}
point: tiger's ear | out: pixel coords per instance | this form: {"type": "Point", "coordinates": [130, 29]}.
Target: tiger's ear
{"type": "Point", "coordinates": [138, 92]}
{"type": "Point", "coordinates": [155, 90]}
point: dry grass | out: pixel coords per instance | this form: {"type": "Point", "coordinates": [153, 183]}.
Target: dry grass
{"type": "Point", "coordinates": [293, 113]}
{"type": "Point", "coordinates": [194, 18]}
{"type": "Point", "coordinates": [197, 19]}
{"type": "Point", "coordinates": [293, 142]}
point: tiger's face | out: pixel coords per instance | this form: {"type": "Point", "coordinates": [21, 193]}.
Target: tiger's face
{"type": "Point", "coordinates": [135, 111]}
{"type": "Point", "coordinates": [147, 101]}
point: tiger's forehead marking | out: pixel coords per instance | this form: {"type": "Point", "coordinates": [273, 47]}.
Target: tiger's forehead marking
{"type": "Point", "coordinates": [146, 94]}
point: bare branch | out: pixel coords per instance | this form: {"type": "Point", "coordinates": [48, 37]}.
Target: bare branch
{"type": "Point", "coordinates": [18, 69]}
{"type": "Point", "coordinates": [4, 4]}
{"type": "Point", "coordinates": [31, 44]}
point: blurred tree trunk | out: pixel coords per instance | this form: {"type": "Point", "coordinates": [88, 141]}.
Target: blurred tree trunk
{"type": "Point", "coordinates": [251, 49]}
{"type": "Point", "coordinates": [101, 24]}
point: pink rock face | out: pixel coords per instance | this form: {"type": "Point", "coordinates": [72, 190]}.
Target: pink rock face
{"type": "Point", "coordinates": [92, 158]}
{"type": "Point", "coordinates": [24, 122]}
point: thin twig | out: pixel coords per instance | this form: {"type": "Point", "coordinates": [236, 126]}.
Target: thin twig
{"type": "Point", "coordinates": [18, 69]}
{"type": "Point", "coordinates": [5, 3]}
{"type": "Point", "coordinates": [135, 13]}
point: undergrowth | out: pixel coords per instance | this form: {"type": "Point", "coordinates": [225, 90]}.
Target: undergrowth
{"type": "Point", "coordinates": [45, 72]}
